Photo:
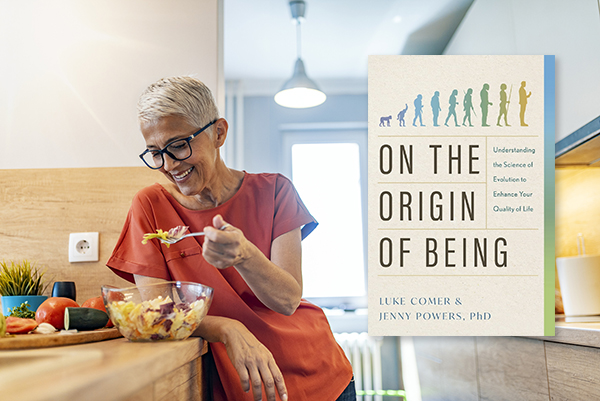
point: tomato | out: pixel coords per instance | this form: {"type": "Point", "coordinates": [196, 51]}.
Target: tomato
{"type": "Point", "coordinates": [19, 325]}
{"type": "Point", "coordinates": [52, 311]}
{"type": "Point", "coordinates": [97, 303]}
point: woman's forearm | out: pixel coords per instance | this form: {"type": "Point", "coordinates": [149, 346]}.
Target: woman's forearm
{"type": "Point", "coordinates": [276, 282]}
{"type": "Point", "coordinates": [214, 328]}
{"type": "Point", "coordinates": [275, 287]}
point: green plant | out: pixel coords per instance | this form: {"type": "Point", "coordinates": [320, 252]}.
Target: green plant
{"type": "Point", "coordinates": [23, 278]}
{"type": "Point", "coordinates": [22, 311]}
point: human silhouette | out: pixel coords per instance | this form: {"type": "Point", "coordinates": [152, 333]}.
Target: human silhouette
{"type": "Point", "coordinates": [418, 110]}
{"type": "Point", "coordinates": [435, 107]}
{"type": "Point", "coordinates": [483, 95]}
{"type": "Point", "coordinates": [468, 106]}
{"type": "Point", "coordinates": [401, 114]}
{"type": "Point", "coordinates": [523, 96]}
{"type": "Point", "coordinates": [452, 108]}
{"type": "Point", "coordinates": [504, 102]}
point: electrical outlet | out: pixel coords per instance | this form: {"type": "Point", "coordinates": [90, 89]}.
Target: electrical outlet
{"type": "Point", "coordinates": [83, 247]}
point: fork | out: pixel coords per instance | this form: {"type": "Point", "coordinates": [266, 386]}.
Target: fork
{"type": "Point", "coordinates": [174, 240]}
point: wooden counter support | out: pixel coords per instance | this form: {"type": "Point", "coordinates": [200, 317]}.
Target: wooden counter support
{"type": "Point", "coordinates": [115, 370]}
{"type": "Point", "coordinates": [564, 367]}
{"type": "Point", "coordinates": [184, 383]}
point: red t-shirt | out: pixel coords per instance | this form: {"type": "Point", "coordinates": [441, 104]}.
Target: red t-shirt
{"type": "Point", "coordinates": [265, 206]}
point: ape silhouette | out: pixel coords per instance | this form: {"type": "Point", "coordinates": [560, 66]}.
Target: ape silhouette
{"type": "Point", "coordinates": [384, 120]}
{"type": "Point", "coordinates": [401, 114]}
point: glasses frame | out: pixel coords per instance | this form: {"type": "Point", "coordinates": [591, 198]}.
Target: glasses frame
{"type": "Point", "coordinates": [164, 150]}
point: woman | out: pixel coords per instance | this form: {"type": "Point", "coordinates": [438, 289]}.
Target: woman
{"type": "Point", "coordinates": [261, 333]}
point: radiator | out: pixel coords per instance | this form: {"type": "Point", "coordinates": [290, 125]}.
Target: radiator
{"type": "Point", "coordinates": [364, 353]}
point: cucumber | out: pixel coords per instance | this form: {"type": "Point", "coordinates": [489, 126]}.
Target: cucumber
{"type": "Point", "coordinates": [85, 318]}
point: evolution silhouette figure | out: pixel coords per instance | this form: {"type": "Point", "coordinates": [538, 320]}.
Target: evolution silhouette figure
{"type": "Point", "coordinates": [468, 106]}
{"type": "Point", "coordinates": [435, 107]}
{"type": "Point", "coordinates": [504, 103]}
{"type": "Point", "coordinates": [385, 119]}
{"type": "Point", "coordinates": [523, 96]}
{"type": "Point", "coordinates": [401, 114]}
{"type": "Point", "coordinates": [452, 108]}
{"type": "Point", "coordinates": [483, 95]}
{"type": "Point", "coordinates": [418, 110]}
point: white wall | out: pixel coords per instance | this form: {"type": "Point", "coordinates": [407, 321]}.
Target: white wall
{"type": "Point", "coordinates": [72, 71]}
{"type": "Point", "coordinates": [568, 29]}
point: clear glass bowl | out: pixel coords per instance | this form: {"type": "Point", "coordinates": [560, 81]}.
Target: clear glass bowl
{"type": "Point", "coordinates": [157, 312]}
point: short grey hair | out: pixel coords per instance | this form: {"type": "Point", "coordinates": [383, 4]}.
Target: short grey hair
{"type": "Point", "coordinates": [182, 96]}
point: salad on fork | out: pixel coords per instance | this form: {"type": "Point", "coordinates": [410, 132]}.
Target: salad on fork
{"type": "Point", "coordinates": [174, 235]}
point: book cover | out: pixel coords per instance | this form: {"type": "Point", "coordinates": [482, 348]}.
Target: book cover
{"type": "Point", "coordinates": [461, 195]}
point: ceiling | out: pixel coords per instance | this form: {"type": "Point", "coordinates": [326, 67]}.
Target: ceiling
{"type": "Point", "coordinates": [337, 37]}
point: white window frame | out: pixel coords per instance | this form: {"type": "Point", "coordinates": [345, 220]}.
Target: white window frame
{"type": "Point", "coordinates": [342, 132]}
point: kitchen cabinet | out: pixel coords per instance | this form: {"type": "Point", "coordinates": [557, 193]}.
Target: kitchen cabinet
{"type": "Point", "coordinates": [117, 370]}
{"type": "Point", "coordinates": [563, 367]}
{"type": "Point", "coordinates": [581, 148]}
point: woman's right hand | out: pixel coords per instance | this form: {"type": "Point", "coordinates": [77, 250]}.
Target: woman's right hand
{"type": "Point", "coordinates": [252, 360]}
{"type": "Point", "coordinates": [254, 363]}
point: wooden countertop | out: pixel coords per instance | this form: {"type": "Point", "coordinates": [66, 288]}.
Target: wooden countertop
{"type": "Point", "coordinates": [103, 371]}
{"type": "Point", "coordinates": [585, 334]}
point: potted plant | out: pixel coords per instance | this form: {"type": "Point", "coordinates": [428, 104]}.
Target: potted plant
{"type": "Point", "coordinates": [21, 282]}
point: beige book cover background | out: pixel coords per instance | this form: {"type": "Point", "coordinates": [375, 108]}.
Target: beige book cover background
{"type": "Point", "coordinates": [457, 195]}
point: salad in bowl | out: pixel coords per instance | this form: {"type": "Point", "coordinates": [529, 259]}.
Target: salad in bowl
{"type": "Point", "coordinates": [156, 312]}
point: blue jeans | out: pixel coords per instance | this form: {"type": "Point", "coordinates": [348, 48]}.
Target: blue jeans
{"type": "Point", "coordinates": [349, 393]}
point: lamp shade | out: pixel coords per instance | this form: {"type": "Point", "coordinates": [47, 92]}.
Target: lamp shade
{"type": "Point", "coordinates": [300, 91]}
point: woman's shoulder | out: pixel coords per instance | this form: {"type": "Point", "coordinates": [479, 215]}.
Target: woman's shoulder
{"type": "Point", "coordinates": [150, 194]}
{"type": "Point", "coordinates": [264, 180]}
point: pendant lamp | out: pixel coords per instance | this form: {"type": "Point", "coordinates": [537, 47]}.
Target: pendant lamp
{"type": "Point", "coordinates": [299, 91]}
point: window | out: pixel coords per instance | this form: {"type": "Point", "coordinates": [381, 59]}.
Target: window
{"type": "Point", "coordinates": [328, 168]}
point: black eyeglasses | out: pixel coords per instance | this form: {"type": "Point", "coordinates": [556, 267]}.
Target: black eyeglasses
{"type": "Point", "coordinates": [178, 149]}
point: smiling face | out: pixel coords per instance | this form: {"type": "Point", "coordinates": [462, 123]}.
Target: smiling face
{"type": "Point", "coordinates": [193, 175]}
